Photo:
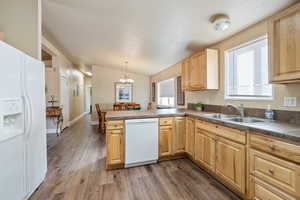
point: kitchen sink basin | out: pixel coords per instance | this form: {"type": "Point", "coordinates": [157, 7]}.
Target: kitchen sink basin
{"type": "Point", "coordinates": [219, 116]}
{"type": "Point", "coordinates": [234, 118]}
{"type": "Point", "coordinates": [245, 120]}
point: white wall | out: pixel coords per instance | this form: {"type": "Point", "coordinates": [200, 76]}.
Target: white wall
{"type": "Point", "coordinates": [64, 67]}
{"type": "Point", "coordinates": [216, 97]}
{"type": "Point", "coordinates": [103, 83]}
{"type": "Point", "coordinates": [21, 23]}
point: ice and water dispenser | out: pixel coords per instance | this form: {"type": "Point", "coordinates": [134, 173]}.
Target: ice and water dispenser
{"type": "Point", "coordinates": [11, 118]}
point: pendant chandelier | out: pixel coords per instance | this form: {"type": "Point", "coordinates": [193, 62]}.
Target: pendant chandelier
{"type": "Point", "coordinates": [126, 78]}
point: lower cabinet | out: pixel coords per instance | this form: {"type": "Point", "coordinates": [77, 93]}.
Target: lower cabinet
{"type": "Point", "coordinates": [260, 190]}
{"type": "Point", "coordinates": [190, 136]}
{"type": "Point", "coordinates": [115, 148]}
{"type": "Point", "coordinates": [231, 163]}
{"type": "Point", "coordinates": [172, 136]}
{"type": "Point", "coordinates": [205, 149]}
{"type": "Point", "coordinates": [165, 141]}
{"type": "Point", "coordinates": [179, 136]}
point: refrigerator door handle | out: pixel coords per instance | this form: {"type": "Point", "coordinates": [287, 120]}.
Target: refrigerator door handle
{"type": "Point", "coordinates": [29, 107]}
{"type": "Point", "coordinates": [27, 116]}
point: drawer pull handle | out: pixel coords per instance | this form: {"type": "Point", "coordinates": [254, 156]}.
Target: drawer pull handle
{"type": "Point", "coordinates": [271, 147]}
{"type": "Point", "coordinates": [271, 171]}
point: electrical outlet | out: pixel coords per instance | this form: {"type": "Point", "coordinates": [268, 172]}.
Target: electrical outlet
{"type": "Point", "coordinates": [290, 101]}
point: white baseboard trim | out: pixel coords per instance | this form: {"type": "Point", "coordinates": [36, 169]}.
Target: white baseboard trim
{"type": "Point", "coordinates": [52, 131]}
{"type": "Point", "coordinates": [77, 118]}
{"type": "Point", "coordinates": [93, 123]}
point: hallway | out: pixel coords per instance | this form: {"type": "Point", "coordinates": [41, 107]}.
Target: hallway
{"type": "Point", "coordinates": [76, 171]}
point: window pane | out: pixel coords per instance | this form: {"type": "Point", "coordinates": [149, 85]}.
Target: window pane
{"type": "Point", "coordinates": [166, 92]}
{"type": "Point", "coordinates": [264, 64]}
{"type": "Point", "coordinates": [247, 71]}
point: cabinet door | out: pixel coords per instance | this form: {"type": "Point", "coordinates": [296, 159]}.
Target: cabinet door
{"type": "Point", "coordinates": [185, 74]}
{"type": "Point", "coordinates": [197, 71]}
{"type": "Point", "coordinates": [230, 163]}
{"type": "Point", "coordinates": [179, 136]}
{"type": "Point", "coordinates": [115, 145]}
{"type": "Point", "coordinates": [284, 37]}
{"type": "Point", "coordinates": [205, 149]}
{"type": "Point", "coordinates": [190, 136]}
{"type": "Point", "coordinates": [260, 190]}
{"type": "Point", "coordinates": [165, 141]}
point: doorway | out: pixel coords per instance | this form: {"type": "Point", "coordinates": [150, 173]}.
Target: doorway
{"type": "Point", "coordinates": [64, 100]}
{"type": "Point", "coordinates": [88, 99]}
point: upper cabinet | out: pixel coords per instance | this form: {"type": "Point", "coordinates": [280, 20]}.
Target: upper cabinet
{"type": "Point", "coordinates": [284, 46]}
{"type": "Point", "coordinates": [201, 71]}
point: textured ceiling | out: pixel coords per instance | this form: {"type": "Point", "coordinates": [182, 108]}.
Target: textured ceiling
{"type": "Point", "coordinates": [150, 34]}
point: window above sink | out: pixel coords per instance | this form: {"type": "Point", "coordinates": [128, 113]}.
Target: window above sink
{"type": "Point", "coordinates": [246, 71]}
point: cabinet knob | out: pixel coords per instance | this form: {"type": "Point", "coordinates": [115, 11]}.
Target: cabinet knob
{"type": "Point", "coordinates": [271, 147]}
{"type": "Point", "coordinates": [271, 171]}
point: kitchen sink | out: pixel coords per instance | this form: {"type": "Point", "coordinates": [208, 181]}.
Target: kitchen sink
{"type": "Point", "coordinates": [245, 120]}
{"type": "Point", "coordinates": [219, 116]}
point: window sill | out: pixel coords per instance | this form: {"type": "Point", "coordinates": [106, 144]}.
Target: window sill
{"type": "Point", "coordinates": [165, 107]}
{"type": "Point", "coordinates": [249, 98]}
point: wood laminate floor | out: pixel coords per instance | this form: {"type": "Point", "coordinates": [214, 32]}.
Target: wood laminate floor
{"type": "Point", "coordinates": [76, 171]}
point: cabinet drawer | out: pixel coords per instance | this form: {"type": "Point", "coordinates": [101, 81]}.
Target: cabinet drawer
{"type": "Point", "coordinates": [166, 121]}
{"type": "Point", "coordinates": [207, 126]}
{"type": "Point", "coordinates": [276, 147]}
{"type": "Point", "coordinates": [283, 174]}
{"type": "Point", "coordinates": [223, 131]}
{"type": "Point", "coordinates": [260, 190]}
{"type": "Point", "coordinates": [110, 125]}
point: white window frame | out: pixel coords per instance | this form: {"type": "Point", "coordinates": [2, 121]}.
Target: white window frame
{"type": "Point", "coordinates": [227, 72]}
{"type": "Point", "coordinates": [158, 96]}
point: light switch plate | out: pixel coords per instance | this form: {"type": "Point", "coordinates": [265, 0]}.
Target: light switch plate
{"type": "Point", "coordinates": [290, 101]}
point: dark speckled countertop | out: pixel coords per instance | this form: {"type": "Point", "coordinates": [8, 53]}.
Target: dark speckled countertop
{"type": "Point", "coordinates": [272, 128]}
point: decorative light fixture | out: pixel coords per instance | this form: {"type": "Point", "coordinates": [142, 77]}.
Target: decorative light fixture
{"type": "Point", "coordinates": [221, 22]}
{"type": "Point", "coordinates": [89, 73]}
{"type": "Point", "coordinates": [126, 78]}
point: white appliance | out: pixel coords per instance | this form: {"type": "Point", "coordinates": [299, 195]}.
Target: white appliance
{"type": "Point", "coordinates": [141, 142]}
{"type": "Point", "coordinates": [23, 149]}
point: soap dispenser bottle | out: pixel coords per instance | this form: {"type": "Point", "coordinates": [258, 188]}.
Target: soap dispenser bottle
{"type": "Point", "coordinates": [269, 114]}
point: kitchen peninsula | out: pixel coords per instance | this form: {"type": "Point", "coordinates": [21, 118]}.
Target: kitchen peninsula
{"type": "Point", "coordinates": [237, 152]}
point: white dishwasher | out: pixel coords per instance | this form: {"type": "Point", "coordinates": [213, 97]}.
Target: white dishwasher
{"type": "Point", "coordinates": [141, 141]}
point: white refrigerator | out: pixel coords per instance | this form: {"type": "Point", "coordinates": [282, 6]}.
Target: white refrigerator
{"type": "Point", "coordinates": [23, 149]}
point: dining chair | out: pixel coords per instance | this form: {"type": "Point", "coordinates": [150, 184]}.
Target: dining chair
{"type": "Point", "coordinates": [100, 117]}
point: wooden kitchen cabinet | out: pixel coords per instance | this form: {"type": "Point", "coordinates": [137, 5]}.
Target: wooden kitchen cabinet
{"type": "Point", "coordinates": [231, 163]}
{"type": "Point", "coordinates": [201, 71]}
{"type": "Point", "coordinates": [165, 141]}
{"type": "Point", "coordinates": [190, 136]}
{"type": "Point", "coordinates": [205, 149]}
{"type": "Point", "coordinates": [115, 144]}
{"type": "Point", "coordinates": [115, 151]}
{"type": "Point", "coordinates": [259, 190]}
{"type": "Point", "coordinates": [197, 71]}
{"type": "Point", "coordinates": [179, 135]}
{"type": "Point", "coordinates": [283, 174]}
{"type": "Point", "coordinates": [172, 137]}
{"type": "Point", "coordinates": [185, 74]}
{"type": "Point", "coordinates": [284, 46]}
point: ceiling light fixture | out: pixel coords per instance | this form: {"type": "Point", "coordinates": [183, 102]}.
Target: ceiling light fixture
{"type": "Point", "coordinates": [126, 78]}
{"type": "Point", "coordinates": [89, 73]}
{"type": "Point", "coordinates": [221, 22]}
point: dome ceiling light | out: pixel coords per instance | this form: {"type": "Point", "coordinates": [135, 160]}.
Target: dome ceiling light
{"type": "Point", "coordinates": [221, 22]}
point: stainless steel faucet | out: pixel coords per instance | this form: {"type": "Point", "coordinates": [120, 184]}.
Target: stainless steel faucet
{"type": "Point", "coordinates": [240, 109]}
